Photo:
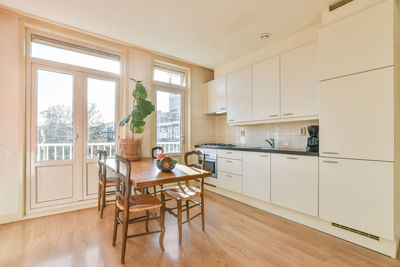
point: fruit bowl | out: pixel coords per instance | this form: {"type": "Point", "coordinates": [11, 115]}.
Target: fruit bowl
{"type": "Point", "coordinates": [166, 164]}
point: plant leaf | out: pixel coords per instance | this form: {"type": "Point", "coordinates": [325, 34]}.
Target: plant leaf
{"type": "Point", "coordinates": [144, 107]}
{"type": "Point", "coordinates": [139, 129]}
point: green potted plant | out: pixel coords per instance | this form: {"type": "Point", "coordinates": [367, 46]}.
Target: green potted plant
{"type": "Point", "coordinates": [131, 147]}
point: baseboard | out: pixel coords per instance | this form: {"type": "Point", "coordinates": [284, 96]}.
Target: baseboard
{"type": "Point", "coordinates": [384, 246]}
{"type": "Point", "coordinates": [9, 218]}
{"type": "Point", "coordinates": [57, 210]}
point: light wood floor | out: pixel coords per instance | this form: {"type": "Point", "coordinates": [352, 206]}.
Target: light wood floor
{"type": "Point", "coordinates": [236, 235]}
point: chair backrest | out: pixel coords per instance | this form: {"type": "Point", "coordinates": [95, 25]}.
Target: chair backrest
{"type": "Point", "coordinates": [155, 149]}
{"type": "Point", "coordinates": [123, 177]}
{"type": "Point", "coordinates": [200, 158]}
{"type": "Point", "coordinates": [102, 164]}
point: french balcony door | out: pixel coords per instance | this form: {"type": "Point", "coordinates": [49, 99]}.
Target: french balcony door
{"type": "Point", "coordinates": [73, 113]}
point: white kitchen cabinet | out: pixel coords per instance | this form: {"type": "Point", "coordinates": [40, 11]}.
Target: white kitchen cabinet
{"type": "Point", "coordinates": [357, 116]}
{"type": "Point", "coordinates": [239, 96]}
{"type": "Point", "coordinates": [257, 175]}
{"type": "Point", "coordinates": [266, 90]}
{"type": "Point", "coordinates": [358, 194]}
{"type": "Point", "coordinates": [230, 154]}
{"type": "Point", "coordinates": [294, 182]}
{"type": "Point", "coordinates": [358, 43]}
{"type": "Point", "coordinates": [217, 95]}
{"type": "Point", "coordinates": [230, 165]}
{"type": "Point", "coordinates": [300, 82]}
{"type": "Point", "coordinates": [230, 181]}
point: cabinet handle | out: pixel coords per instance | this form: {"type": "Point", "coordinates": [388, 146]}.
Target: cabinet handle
{"type": "Point", "coordinates": [229, 161]}
{"type": "Point", "coordinates": [273, 116]}
{"type": "Point", "coordinates": [330, 153]}
{"type": "Point", "coordinates": [227, 175]}
{"type": "Point", "coordinates": [330, 161]}
{"type": "Point", "coordinates": [264, 156]}
{"type": "Point", "coordinates": [291, 158]}
{"type": "Point", "coordinates": [228, 152]}
{"type": "Point", "coordinates": [287, 114]}
{"type": "Point", "coordinates": [222, 108]}
{"type": "Point", "coordinates": [231, 120]}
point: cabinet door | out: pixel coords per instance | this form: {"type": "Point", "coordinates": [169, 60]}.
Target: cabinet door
{"type": "Point", "coordinates": [257, 175]}
{"type": "Point", "coordinates": [217, 95]}
{"type": "Point", "coordinates": [299, 82]}
{"type": "Point", "coordinates": [266, 86]}
{"type": "Point", "coordinates": [230, 181]}
{"type": "Point", "coordinates": [294, 182]}
{"type": "Point", "coordinates": [361, 42]}
{"type": "Point", "coordinates": [239, 96]}
{"type": "Point", "coordinates": [357, 116]}
{"type": "Point", "coordinates": [358, 194]}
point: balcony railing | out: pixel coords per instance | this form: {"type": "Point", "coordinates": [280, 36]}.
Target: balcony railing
{"type": "Point", "coordinates": [64, 151]}
{"type": "Point", "coordinates": [170, 147]}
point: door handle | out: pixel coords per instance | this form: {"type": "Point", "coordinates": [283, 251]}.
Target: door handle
{"type": "Point", "coordinates": [330, 161]}
{"type": "Point", "coordinates": [76, 139]}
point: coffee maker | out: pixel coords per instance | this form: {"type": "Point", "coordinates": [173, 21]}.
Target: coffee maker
{"type": "Point", "coordinates": [313, 140]}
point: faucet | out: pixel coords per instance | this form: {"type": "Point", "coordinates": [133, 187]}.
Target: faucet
{"type": "Point", "coordinates": [270, 141]}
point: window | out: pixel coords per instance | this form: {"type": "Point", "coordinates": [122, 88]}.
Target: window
{"type": "Point", "coordinates": [170, 76]}
{"type": "Point", "coordinates": [58, 51]}
{"type": "Point", "coordinates": [169, 121]}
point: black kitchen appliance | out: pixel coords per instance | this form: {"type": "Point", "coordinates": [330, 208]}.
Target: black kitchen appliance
{"type": "Point", "coordinates": [313, 140]}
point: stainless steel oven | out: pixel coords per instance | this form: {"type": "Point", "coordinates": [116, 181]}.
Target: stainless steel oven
{"type": "Point", "coordinates": [211, 165]}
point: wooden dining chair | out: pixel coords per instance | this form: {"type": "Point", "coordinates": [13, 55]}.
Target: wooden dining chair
{"type": "Point", "coordinates": [104, 183]}
{"type": "Point", "coordinates": [126, 204]}
{"type": "Point", "coordinates": [154, 154]}
{"type": "Point", "coordinates": [187, 193]}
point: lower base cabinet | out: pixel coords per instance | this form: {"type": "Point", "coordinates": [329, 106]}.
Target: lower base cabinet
{"type": "Point", "coordinates": [257, 175]}
{"type": "Point", "coordinates": [294, 182]}
{"type": "Point", "coordinates": [358, 194]}
{"type": "Point", "coordinates": [230, 181]}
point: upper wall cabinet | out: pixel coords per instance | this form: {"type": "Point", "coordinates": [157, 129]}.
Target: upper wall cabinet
{"type": "Point", "coordinates": [358, 43]}
{"type": "Point", "coordinates": [299, 82]}
{"type": "Point", "coordinates": [357, 116]}
{"type": "Point", "coordinates": [239, 96]}
{"type": "Point", "coordinates": [266, 95]}
{"type": "Point", "coordinates": [217, 96]}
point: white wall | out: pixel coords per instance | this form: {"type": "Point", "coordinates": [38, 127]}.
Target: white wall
{"type": "Point", "coordinates": [11, 118]}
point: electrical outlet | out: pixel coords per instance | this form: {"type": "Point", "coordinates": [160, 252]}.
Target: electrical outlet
{"type": "Point", "coordinates": [303, 131]}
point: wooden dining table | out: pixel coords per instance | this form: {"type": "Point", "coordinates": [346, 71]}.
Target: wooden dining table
{"type": "Point", "coordinates": [144, 173]}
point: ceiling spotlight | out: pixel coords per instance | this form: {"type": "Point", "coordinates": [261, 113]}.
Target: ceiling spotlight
{"type": "Point", "coordinates": [265, 35]}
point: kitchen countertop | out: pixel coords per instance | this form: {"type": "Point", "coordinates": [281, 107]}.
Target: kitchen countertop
{"type": "Point", "coordinates": [290, 151]}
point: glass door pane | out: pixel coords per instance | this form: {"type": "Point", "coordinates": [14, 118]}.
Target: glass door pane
{"type": "Point", "coordinates": [169, 121]}
{"type": "Point", "coordinates": [54, 116]}
{"type": "Point", "coordinates": [100, 116]}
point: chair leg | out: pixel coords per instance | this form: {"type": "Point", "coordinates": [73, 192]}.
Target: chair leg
{"type": "Point", "coordinates": [187, 209]}
{"type": "Point", "coordinates": [124, 235]}
{"type": "Point", "coordinates": [179, 208]}
{"type": "Point", "coordinates": [203, 224]}
{"type": "Point", "coordinates": [103, 200]}
{"type": "Point", "coordinates": [162, 226]}
{"type": "Point", "coordinates": [115, 226]}
{"type": "Point", "coordinates": [99, 197]}
{"type": "Point", "coordinates": [147, 221]}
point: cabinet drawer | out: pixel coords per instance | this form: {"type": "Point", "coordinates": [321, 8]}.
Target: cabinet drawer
{"type": "Point", "coordinates": [229, 181]}
{"type": "Point", "coordinates": [230, 165]}
{"type": "Point", "coordinates": [358, 194]}
{"type": "Point", "coordinates": [230, 154]}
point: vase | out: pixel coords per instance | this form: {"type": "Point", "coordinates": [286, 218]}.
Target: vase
{"type": "Point", "coordinates": [131, 148]}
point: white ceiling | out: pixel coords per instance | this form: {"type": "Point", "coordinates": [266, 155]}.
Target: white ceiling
{"type": "Point", "coordinates": [206, 32]}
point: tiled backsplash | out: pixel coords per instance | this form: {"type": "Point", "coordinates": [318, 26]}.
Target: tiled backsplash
{"type": "Point", "coordinates": [285, 134]}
